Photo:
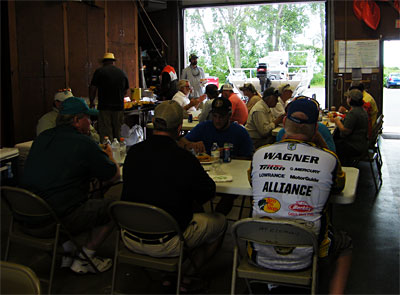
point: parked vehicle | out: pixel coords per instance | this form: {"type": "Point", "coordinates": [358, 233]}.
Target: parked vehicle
{"type": "Point", "coordinates": [393, 80]}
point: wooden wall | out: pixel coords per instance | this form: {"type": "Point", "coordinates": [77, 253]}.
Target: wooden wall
{"type": "Point", "coordinates": [58, 44]}
{"type": "Point", "coordinates": [348, 27]}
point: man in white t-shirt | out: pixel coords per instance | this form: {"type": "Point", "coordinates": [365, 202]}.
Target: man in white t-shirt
{"type": "Point", "coordinates": [293, 179]}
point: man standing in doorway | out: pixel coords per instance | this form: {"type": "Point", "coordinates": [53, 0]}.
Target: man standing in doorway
{"type": "Point", "coordinates": [194, 74]}
{"type": "Point", "coordinates": [111, 83]}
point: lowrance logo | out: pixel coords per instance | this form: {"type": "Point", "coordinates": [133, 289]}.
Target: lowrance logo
{"type": "Point", "coordinates": [301, 206]}
{"type": "Point", "coordinates": [272, 167]}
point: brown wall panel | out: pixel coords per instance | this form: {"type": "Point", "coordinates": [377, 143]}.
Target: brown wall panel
{"type": "Point", "coordinates": [43, 55]}
{"type": "Point", "coordinates": [77, 47]}
{"type": "Point", "coordinates": [96, 38]}
{"type": "Point", "coordinates": [29, 38]}
{"type": "Point", "coordinates": [348, 27]}
{"type": "Point", "coordinates": [28, 112]}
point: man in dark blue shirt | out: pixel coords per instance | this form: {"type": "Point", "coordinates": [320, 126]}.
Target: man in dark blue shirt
{"type": "Point", "coordinates": [221, 131]}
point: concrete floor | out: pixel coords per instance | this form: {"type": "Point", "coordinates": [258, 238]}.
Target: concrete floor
{"type": "Point", "coordinates": [373, 222]}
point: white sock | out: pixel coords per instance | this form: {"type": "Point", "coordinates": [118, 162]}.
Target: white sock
{"type": "Point", "coordinates": [68, 247]}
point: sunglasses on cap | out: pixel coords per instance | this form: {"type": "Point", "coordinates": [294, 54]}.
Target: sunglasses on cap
{"type": "Point", "coordinates": [64, 89]}
{"type": "Point", "coordinates": [308, 98]}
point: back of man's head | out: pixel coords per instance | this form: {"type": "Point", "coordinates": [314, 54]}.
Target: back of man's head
{"type": "Point", "coordinates": [168, 116]}
{"type": "Point", "coordinates": [212, 91]}
{"type": "Point", "coordinates": [302, 117]}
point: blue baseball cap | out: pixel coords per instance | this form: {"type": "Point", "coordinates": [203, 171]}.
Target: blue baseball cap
{"type": "Point", "coordinates": [76, 105]}
{"type": "Point", "coordinates": [306, 106]}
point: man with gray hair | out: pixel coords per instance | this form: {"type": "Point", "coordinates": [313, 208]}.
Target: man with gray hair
{"type": "Point", "coordinates": [182, 96]}
{"type": "Point", "coordinates": [175, 181]}
{"type": "Point", "coordinates": [300, 191]}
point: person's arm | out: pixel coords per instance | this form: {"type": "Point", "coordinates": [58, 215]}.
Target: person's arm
{"type": "Point", "coordinates": [263, 125]}
{"type": "Point", "coordinates": [186, 144]}
{"type": "Point", "coordinates": [92, 95]}
{"type": "Point", "coordinates": [193, 102]}
{"type": "Point", "coordinates": [343, 130]}
{"type": "Point", "coordinates": [206, 110]}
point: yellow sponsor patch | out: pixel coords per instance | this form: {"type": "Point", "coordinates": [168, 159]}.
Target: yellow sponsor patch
{"type": "Point", "coordinates": [271, 205]}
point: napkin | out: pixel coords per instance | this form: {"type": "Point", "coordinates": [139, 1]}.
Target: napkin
{"type": "Point", "coordinates": [221, 177]}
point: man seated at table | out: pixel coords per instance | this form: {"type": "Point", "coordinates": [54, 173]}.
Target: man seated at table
{"type": "Point", "coordinates": [309, 175]}
{"type": "Point", "coordinates": [174, 180]}
{"type": "Point", "coordinates": [48, 120]}
{"type": "Point", "coordinates": [261, 120]}
{"type": "Point", "coordinates": [239, 108]}
{"type": "Point", "coordinates": [212, 93]}
{"type": "Point", "coordinates": [182, 97]}
{"type": "Point", "coordinates": [60, 165]}
{"type": "Point", "coordinates": [220, 130]}
{"type": "Point", "coordinates": [323, 137]}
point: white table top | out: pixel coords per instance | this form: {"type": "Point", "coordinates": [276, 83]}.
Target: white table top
{"type": "Point", "coordinates": [186, 126]}
{"type": "Point", "coordinates": [240, 184]}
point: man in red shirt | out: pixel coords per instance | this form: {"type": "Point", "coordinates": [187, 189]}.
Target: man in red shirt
{"type": "Point", "coordinates": [239, 109]}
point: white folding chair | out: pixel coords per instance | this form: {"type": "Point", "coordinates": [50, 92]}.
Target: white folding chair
{"type": "Point", "coordinates": [282, 233]}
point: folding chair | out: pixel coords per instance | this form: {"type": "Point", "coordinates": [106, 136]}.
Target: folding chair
{"type": "Point", "coordinates": [18, 279]}
{"type": "Point", "coordinates": [373, 154]}
{"type": "Point", "coordinates": [27, 205]}
{"type": "Point", "coordinates": [281, 233]}
{"type": "Point", "coordinates": [145, 219]}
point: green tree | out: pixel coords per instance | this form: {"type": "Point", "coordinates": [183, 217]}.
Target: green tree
{"type": "Point", "coordinates": [246, 33]}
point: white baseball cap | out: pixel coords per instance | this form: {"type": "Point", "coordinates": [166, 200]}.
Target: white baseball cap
{"type": "Point", "coordinates": [63, 94]}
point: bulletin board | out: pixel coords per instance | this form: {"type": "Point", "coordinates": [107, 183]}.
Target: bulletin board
{"type": "Point", "coordinates": [363, 54]}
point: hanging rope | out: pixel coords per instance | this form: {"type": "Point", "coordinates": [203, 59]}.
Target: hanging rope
{"type": "Point", "coordinates": [151, 39]}
{"type": "Point", "coordinates": [155, 29]}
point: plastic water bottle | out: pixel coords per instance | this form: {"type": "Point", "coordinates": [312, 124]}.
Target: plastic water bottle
{"type": "Point", "coordinates": [106, 141]}
{"type": "Point", "coordinates": [215, 154]}
{"type": "Point", "coordinates": [115, 150]}
{"type": "Point", "coordinates": [122, 149]}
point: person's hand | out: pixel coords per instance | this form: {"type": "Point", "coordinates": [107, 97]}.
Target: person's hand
{"type": "Point", "coordinates": [342, 110]}
{"type": "Point", "coordinates": [337, 119]}
{"type": "Point", "coordinates": [198, 147]}
{"type": "Point", "coordinates": [202, 97]}
{"type": "Point", "coordinates": [193, 102]}
{"type": "Point", "coordinates": [279, 120]}
{"type": "Point", "coordinates": [107, 149]}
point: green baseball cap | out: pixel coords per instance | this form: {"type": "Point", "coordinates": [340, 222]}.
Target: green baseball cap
{"type": "Point", "coordinates": [76, 105]}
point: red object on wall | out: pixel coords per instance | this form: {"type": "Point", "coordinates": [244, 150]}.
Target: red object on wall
{"type": "Point", "coordinates": [358, 6]}
{"type": "Point", "coordinates": [396, 5]}
{"type": "Point", "coordinates": [371, 14]}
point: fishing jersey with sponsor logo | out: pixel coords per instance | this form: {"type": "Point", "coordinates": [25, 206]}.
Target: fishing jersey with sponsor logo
{"type": "Point", "coordinates": [293, 179]}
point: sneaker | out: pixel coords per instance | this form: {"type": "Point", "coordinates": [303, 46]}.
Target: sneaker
{"type": "Point", "coordinates": [82, 266]}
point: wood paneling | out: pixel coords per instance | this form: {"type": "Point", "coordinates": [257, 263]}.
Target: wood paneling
{"type": "Point", "coordinates": [52, 42]}
{"type": "Point", "coordinates": [122, 38]}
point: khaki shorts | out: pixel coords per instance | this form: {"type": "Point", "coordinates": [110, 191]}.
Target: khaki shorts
{"type": "Point", "coordinates": [204, 228]}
